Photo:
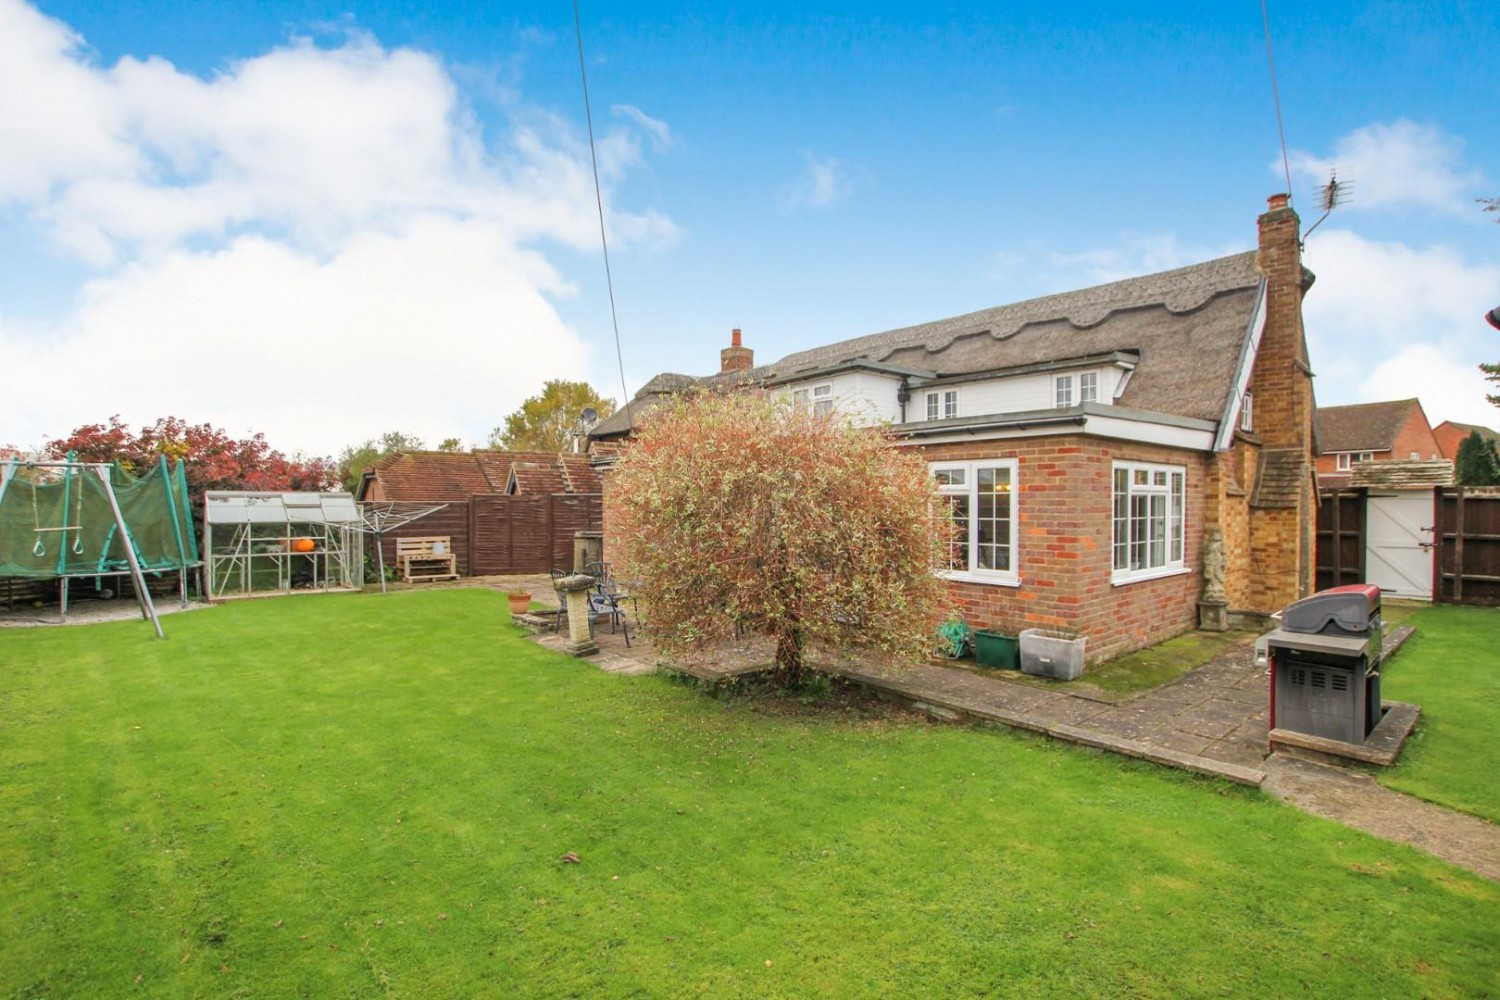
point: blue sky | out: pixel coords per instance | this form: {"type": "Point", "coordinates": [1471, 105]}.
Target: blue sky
{"type": "Point", "coordinates": [276, 216]}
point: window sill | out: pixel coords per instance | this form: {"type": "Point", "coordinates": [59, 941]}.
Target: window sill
{"type": "Point", "coordinates": [1117, 580]}
{"type": "Point", "coordinates": [971, 577]}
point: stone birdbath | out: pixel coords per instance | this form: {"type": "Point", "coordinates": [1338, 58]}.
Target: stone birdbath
{"type": "Point", "coordinates": [580, 628]}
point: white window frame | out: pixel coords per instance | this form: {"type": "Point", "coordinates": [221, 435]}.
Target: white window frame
{"type": "Point", "coordinates": [1153, 520]}
{"type": "Point", "coordinates": [1088, 387]}
{"type": "Point", "coordinates": [1343, 461]}
{"type": "Point", "coordinates": [969, 489]}
{"type": "Point", "coordinates": [1247, 412]}
{"type": "Point", "coordinates": [819, 397]}
{"type": "Point", "coordinates": [941, 404]}
{"type": "Point", "coordinates": [1062, 391]}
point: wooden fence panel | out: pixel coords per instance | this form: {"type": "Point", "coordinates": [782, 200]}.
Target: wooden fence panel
{"type": "Point", "coordinates": [1468, 556]}
{"type": "Point", "coordinates": [452, 520]}
{"type": "Point", "coordinates": [1341, 539]}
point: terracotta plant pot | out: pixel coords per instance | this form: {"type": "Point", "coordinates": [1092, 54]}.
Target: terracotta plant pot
{"type": "Point", "coordinates": [519, 603]}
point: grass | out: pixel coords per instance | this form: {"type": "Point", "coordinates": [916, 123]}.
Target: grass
{"type": "Point", "coordinates": [1450, 668]}
{"type": "Point", "coordinates": [359, 795]}
{"type": "Point", "coordinates": [1163, 663]}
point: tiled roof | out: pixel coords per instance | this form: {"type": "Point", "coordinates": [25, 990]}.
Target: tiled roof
{"type": "Point", "coordinates": [430, 475]}
{"type": "Point", "coordinates": [1279, 478]}
{"type": "Point", "coordinates": [1363, 426]}
{"type": "Point", "coordinates": [440, 475]}
{"type": "Point", "coordinates": [1407, 475]}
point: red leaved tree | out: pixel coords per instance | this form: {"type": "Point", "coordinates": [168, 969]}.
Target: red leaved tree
{"type": "Point", "coordinates": [213, 459]}
{"type": "Point", "coordinates": [741, 511]}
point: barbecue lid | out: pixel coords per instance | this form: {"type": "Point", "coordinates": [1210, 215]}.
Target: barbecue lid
{"type": "Point", "coordinates": [1350, 608]}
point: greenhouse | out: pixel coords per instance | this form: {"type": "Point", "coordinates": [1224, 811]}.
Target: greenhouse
{"type": "Point", "coordinates": [279, 543]}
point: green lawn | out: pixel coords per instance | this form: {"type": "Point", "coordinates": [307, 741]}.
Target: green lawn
{"type": "Point", "coordinates": [363, 796]}
{"type": "Point", "coordinates": [1451, 667]}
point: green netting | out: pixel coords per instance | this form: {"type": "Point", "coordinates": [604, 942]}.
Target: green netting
{"type": "Point", "coordinates": [64, 526]}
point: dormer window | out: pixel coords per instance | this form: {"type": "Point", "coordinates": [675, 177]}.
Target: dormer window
{"type": "Point", "coordinates": [942, 405]}
{"type": "Point", "coordinates": [1063, 390]}
{"type": "Point", "coordinates": [819, 397]}
{"type": "Point", "coordinates": [1088, 387]}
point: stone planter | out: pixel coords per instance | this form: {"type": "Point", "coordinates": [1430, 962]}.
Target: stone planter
{"type": "Point", "coordinates": [1051, 653]}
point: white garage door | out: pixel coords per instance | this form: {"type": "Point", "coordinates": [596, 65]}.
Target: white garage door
{"type": "Point", "coordinates": [1399, 544]}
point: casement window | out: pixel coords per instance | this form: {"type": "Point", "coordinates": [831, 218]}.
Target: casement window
{"type": "Point", "coordinates": [1088, 387]}
{"type": "Point", "coordinates": [1149, 515]}
{"type": "Point", "coordinates": [819, 397]}
{"type": "Point", "coordinates": [1063, 390]}
{"type": "Point", "coordinates": [1247, 412]}
{"type": "Point", "coordinates": [1346, 459]}
{"type": "Point", "coordinates": [943, 404]}
{"type": "Point", "coordinates": [981, 497]}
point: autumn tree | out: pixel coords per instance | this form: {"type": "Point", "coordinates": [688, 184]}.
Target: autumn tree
{"type": "Point", "coordinates": [356, 458]}
{"type": "Point", "coordinates": [213, 460]}
{"type": "Point", "coordinates": [743, 512]}
{"type": "Point", "coordinates": [1477, 462]}
{"type": "Point", "coordinates": [550, 421]}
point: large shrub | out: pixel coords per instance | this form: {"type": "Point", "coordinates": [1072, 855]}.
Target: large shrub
{"type": "Point", "coordinates": [740, 511]}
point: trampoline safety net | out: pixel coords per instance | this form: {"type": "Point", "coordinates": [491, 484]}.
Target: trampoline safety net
{"type": "Point", "coordinates": [56, 523]}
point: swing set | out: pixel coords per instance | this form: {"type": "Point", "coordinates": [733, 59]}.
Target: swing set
{"type": "Point", "coordinates": [71, 519]}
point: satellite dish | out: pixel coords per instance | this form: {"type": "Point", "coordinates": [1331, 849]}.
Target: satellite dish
{"type": "Point", "coordinates": [590, 414]}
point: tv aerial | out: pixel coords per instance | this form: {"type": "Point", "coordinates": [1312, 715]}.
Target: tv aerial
{"type": "Point", "coordinates": [1334, 194]}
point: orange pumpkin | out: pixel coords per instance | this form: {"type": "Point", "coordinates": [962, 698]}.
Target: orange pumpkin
{"type": "Point", "coordinates": [303, 545]}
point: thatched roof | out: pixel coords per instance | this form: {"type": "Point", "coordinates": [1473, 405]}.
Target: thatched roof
{"type": "Point", "coordinates": [1188, 327]}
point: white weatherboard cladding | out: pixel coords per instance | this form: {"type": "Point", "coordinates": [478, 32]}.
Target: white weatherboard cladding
{"type": "Point", "coordinates": [871, 398]}
{"type": "Point", "coordinates": [1017, 394]}
{"type": "Point", "coordinates": [865, 397]}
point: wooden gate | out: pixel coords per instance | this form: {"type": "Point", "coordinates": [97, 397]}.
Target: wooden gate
{"type": "Point", "coordinates": [1341, 539]}
{"type": "Point", "coordinates": [1468, 537]}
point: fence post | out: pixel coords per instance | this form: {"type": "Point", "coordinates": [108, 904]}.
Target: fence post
{"type": "Point", "coordinates": [1458, 548]}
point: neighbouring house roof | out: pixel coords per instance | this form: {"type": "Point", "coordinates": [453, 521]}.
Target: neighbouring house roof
{"type": "Point", "coordinates": [440, 475]}
{"type": "Point", "coordinates": [1188, 327]}
{"type": "Point", "coordinates": [1450, 434]}
{"type": "Point", "coordinates": [1363, 426]}
{"type": "Point", "coordinates": [1403, 475]}
{"type": "Point", "coordinates": [430, 475]}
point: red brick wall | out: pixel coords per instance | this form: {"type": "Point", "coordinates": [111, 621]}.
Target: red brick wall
{"type": "Point", "coordinates": [1063, 546]}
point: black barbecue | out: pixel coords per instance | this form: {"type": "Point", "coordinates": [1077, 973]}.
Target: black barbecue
{"type": "Point", "coordinates": [1325, 664]}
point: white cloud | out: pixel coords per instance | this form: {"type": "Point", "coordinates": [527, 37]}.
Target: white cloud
{"type": "Point", "coordinates": [1131, 256]}
{"type": "Point", "coordinates": [1402, 163]}
{"type": "Point", "coordinates": [280, 246]}
{"type": "Point", "coordinates": [1389, 321]}
{"type": "Point", "coordinates": [822, 182]}
{"type": "Point", "coordinates": [659, 131]}
{"type": "Point", "coordinates": [1448, 389]}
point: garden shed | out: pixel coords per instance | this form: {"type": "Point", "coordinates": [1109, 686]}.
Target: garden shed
{"type": "Point", "coordinates": [257, 544]}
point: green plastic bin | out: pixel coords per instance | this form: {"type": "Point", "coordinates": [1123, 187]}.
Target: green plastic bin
{"type": "Point", "coordinates": [992, 649]}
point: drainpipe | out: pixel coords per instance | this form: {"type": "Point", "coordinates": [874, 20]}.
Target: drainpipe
{"type": "Point", "coordinates": [903, 396]}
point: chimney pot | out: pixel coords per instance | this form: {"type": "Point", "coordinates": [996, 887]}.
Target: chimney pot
{"type": "Point", "coordinates": [1277, 201]}
{"type": "Point", "coordinates": [735, 338]}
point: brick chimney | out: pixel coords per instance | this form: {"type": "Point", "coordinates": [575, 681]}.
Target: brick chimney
{"type": "Point", "coordinates": [1282, 374]}
{"type": "Point", "coordinates": [736, 357]}
{"type": "Point", "coordinates": [1282, 504]}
